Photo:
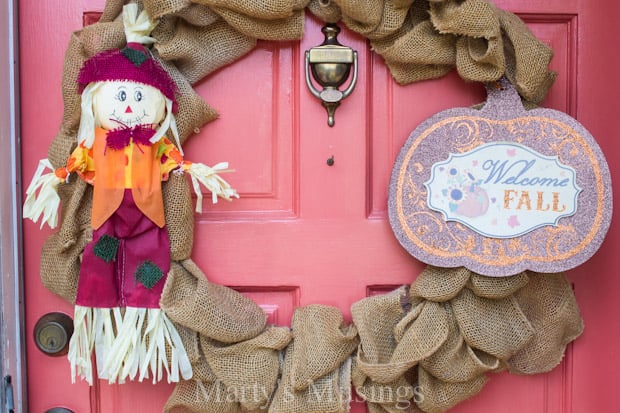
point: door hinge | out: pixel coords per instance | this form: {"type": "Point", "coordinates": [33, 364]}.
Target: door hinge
{"type": "Point", "coordinates": [7, 387]}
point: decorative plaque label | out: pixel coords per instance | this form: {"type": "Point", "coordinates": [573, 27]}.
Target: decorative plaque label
{"type": "Point", "coordinates": [502, 190]}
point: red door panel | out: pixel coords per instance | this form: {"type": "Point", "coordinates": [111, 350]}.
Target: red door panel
{"type": "Point", "coordinates": [304, 232]}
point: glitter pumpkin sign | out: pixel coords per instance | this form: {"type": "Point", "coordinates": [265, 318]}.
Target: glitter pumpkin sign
{"type": "Point", "coordinates": [501, 190]}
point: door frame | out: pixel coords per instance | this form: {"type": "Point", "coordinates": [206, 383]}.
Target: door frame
{"type": "Point", "coordinates": [12, 345]}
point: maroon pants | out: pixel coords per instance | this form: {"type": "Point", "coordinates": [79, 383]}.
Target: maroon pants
{"type": "Point", "coordinates": [126, 263]}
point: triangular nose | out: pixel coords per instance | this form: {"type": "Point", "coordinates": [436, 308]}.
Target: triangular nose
{"type": "Point", "coordinates": [128, 110]}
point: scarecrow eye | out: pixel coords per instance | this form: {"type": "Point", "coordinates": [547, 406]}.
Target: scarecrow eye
{"type": "Point", "coordinates": [121, 95]}
{"type": "Point", "coordinates": [138, 96]}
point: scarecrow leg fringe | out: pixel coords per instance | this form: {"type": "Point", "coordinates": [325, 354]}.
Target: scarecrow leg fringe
{"type": "Point", "coordinates": [138, 341]}
{"type": "Point", "coordinates": [160, 331]}
{"type": "Point", "coordinates": [81, 344]}
{"type": "Point", "coordinates": [104, 335]}
{"type": "Point", "coordinates": [125, 351]}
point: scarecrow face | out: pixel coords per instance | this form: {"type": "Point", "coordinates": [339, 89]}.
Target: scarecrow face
{"type": "Point", "coordinates": [124, 103]}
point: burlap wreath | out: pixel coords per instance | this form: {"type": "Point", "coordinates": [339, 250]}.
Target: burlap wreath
{"type": "Point", "coordinates": [429, 345]}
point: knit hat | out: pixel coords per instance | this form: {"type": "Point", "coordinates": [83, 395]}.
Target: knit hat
{"type": "Point", "coordinates": [132, 63]}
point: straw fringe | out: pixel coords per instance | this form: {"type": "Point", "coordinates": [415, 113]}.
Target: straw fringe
{"type": "Point", "coordinates": [104, 322]}
{"type": "Point", "coordinates": [137, 26]}
{"type": "Point", "coordinates": [81, 345]}
{"type": "Point", "coordinates": [42, 197]}
{"type": "Point", "coordinates": [137, 343]}
{"type": "Point", "coordinates": [208, 176]}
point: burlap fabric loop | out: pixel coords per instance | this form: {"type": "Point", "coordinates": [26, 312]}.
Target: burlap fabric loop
{"type": "Point", "coordinates": [195, 396]}
{"type": "Point", "coordinates": [322, 343]}
{"type": "Point", "coordinates": [178, 213]}
{"type": "Point", "coordinates": [199, 50]}
{"type": "Point", "coordinates": [488, 287]}
{"type": "Point", "coordinates": [391, 346]}
{"type": "Point", "coordinates": [248, 369]}
{"type": "Point", "coordinates": [479, 47]}
{"type": "Point", "coordinates": [497, 327]}
{"type": "Point", "coordinates": [229, 378]}
{"type": "Point", "coordinates": [439, 396]}
{"type": "Point", "coordinates": [203, 393]}
{"type": "Point", "coordinates": [161, 8]}
{"type": "Point", "coordinates": [455, 360]}
{"type": "Point", "coordinates": [278, 29]}
{"type": "Point", "coordinates": [212, 310]}
{"type": "Point", "coordinates": [377, 341]}
{"type": "Point", "coordinates": [268, 20]}
{"type": "Point", "coordinates": [425, 333]}
{"type": "Point", "coordinates": [523, 322]}
{"type": "Point", "coordinates": [524, 55]}
{"type": "Point", "coordinates": [330, 393]}
{"type": "Point", "coordinates": [421, 337]}
{"type": "Point", "coordinates": [267, 10]}
{"type": "Point", "coordinates": [440, 284]}
{"type": "Point", "coordinates": [549, 304]}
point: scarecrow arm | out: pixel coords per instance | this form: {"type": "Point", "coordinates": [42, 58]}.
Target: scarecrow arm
{"type": "Point", "coordinates": [209, 178]}
{"type": "Point", "coordinates": [42, 197]}
{"type": "Point", "coordinates": [171, 160]}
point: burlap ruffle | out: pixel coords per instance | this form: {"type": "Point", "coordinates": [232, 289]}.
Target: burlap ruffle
{"type": "Point", "coordinates": [461, 326]}
{"type": "Point", "coordinates": [419, 40]}
{"type": "Point", "coordinates": [430, 345]}
{"type": "Point", "coordinates": [244, 373]}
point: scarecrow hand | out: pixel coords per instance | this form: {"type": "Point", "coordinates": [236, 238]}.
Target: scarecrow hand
{"type": "Point", "coordinates": [42, 196]}
{"type": "Point", "coordinates": [208, 177]}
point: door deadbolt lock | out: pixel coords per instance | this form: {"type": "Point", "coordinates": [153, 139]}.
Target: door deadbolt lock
{"type": "Point", "coordinates": [331, 64]}
{"type": "Point", "coordinates": [52, 333]}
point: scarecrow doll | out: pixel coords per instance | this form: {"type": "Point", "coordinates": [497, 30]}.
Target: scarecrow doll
{"type": "Point", "coordinates": [128, 101]}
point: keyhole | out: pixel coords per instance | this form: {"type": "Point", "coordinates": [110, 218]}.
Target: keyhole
{"type": "Point", "coordinates": [52, 333]}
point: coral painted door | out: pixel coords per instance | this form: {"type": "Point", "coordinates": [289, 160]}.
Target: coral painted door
{"type": "Point", "coordinates": [305, 232]}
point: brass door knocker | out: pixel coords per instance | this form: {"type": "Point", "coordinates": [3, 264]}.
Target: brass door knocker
{"type": "Point", "coordinates": [330, 64]}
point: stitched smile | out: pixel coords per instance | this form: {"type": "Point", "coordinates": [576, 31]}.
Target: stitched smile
{"type": "Point", "coordinates": [129, 121]}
